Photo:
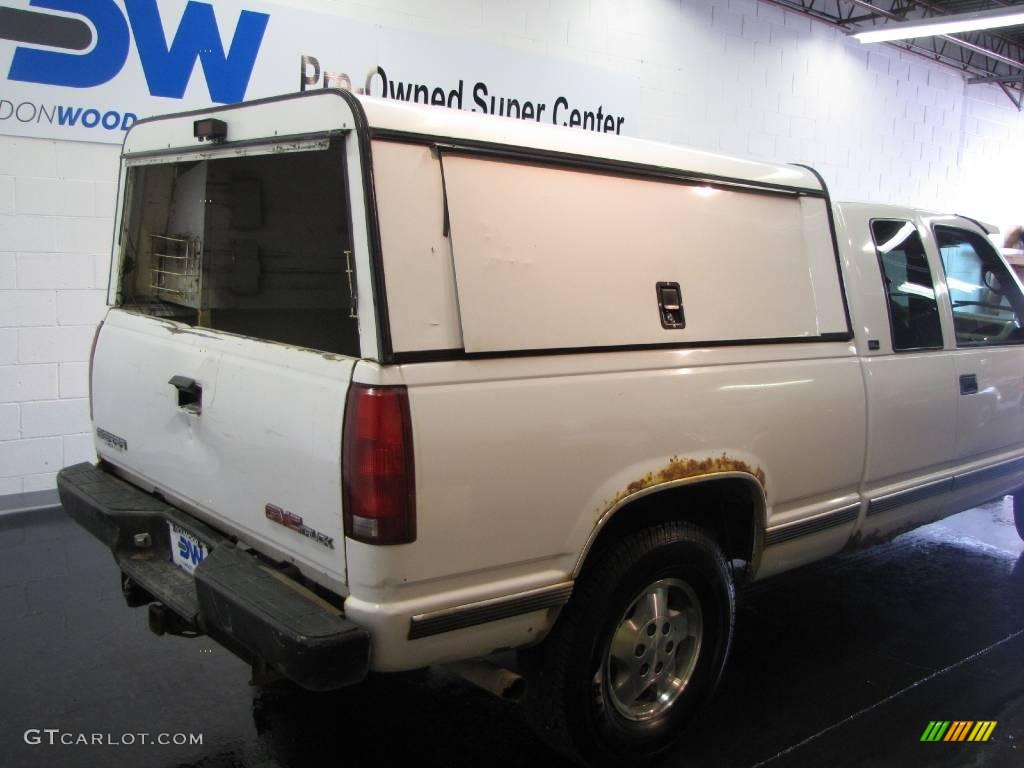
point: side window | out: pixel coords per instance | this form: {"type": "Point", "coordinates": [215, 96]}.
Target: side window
{"type": "Point", "coordinates": [987, 302]}
{"type": "Point", "coordinates": [913, 311]}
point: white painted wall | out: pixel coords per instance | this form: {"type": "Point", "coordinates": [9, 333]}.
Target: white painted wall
{"type": "Point", "coordinates": [992, 158]}
{"type": "Point", "coordinates": [739, 76]}
{"type": "Point", "coordinates": [56, 218]}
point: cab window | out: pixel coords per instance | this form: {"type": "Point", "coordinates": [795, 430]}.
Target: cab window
{"type": "Point", "coordinates": [909, 289]}
{"type": "Point", "coordinates": [987, 304]}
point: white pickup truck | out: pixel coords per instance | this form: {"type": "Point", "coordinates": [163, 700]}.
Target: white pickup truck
{"type": "Point", "coordinates": [385, 386]}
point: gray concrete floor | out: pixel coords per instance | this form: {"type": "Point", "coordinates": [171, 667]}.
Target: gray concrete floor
{"type": "Point", "coordinates": [842, 663]}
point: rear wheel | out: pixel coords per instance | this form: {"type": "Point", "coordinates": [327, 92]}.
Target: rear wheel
{"type": "Point", "coordinates": [638, 649]}
{"type": "Point", "coordinates": [1018, 512]}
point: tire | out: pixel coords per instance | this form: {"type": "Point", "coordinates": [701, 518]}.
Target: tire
{"type": "Point", "coordinates": [602, 688]}
{"type": "Point", "coordinates": [1018, 512]}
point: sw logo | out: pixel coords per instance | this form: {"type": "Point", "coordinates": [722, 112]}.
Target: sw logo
{"type": "Point", "coordinates": [958, 730]}
{"type": "Point", "coordinates": [191, 551]}
{"type": "Point", "coordinates": [167, 66]}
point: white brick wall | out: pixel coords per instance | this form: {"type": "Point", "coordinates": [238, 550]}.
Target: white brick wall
{"type": "Point", "coordinates": [56, 216]}
{"type": "Point", "coordinates": [30, 456]}
{"type": "Point", "coordinates": [73, 379]}
{"type": "Point", "coordinates": [9, 421]}
{"type": "Point", "coordinates": [49, 418]}
{"type": "Point", "coordinates": [739, 76]}
{"type": "Point", "coordinates": [992, 157]}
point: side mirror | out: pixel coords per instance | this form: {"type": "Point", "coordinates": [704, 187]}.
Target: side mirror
{"type": "Point", "coordinates": [992, 282]}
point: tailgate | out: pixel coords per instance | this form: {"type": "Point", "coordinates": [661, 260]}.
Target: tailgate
{"type": "Point", "coordinates": [255, 449]}
{"type": "Point", "coordinates": [220, 377]}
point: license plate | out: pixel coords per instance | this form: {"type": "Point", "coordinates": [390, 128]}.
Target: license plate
{"type": "Point", "coordinates": [186, 550]}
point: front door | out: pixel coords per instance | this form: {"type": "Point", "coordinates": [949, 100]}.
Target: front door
{"type": "Point", "coordinates": [988, 321]}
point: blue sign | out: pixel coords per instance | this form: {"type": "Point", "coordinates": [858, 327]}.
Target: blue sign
{"type": "Point", "coordinates": [167, 66]}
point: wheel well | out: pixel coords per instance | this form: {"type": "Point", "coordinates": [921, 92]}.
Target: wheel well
{"type": "Point", "coordinates": [729, 509]}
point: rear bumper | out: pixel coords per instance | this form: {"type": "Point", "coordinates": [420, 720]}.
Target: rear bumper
{"type": "Point", "coordinates": [233, 597]}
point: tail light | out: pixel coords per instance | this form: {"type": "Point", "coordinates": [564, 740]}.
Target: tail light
{"type": "Point", "coordinates": [377, 478]}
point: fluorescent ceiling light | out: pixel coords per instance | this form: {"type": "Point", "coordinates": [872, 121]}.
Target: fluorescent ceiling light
{"type": "Point", "coordinates": [944, 25]}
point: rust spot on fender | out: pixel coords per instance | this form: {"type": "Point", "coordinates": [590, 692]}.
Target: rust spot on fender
{"type": "Point", "coordinates": [681, 469]}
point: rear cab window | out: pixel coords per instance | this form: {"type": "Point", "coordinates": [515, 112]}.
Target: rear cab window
{"type": "Point", "coordinates": [988, 307]}
{"type": "Point", "coordinates": [256, 244]}
{"type": "Point", "coordinates": [909, 287]}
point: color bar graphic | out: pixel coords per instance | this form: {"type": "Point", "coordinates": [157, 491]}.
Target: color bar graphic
{"type": "Point", "coordinates": [958, 730]}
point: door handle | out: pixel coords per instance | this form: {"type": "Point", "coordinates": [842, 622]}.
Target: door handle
{"type": "Point", "coordinates": [190, 394]}
{"type": "Point", "coordinates": [969, 384]}
{"type": "Point", "coordinates": [670, 305]}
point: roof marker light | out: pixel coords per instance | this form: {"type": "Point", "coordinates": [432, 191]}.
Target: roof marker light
{"type": "Point", "coordinates": [210, 129]}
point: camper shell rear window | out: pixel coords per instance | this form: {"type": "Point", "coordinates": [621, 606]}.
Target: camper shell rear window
{"type": "Point", "coordinates": [256, 244]}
